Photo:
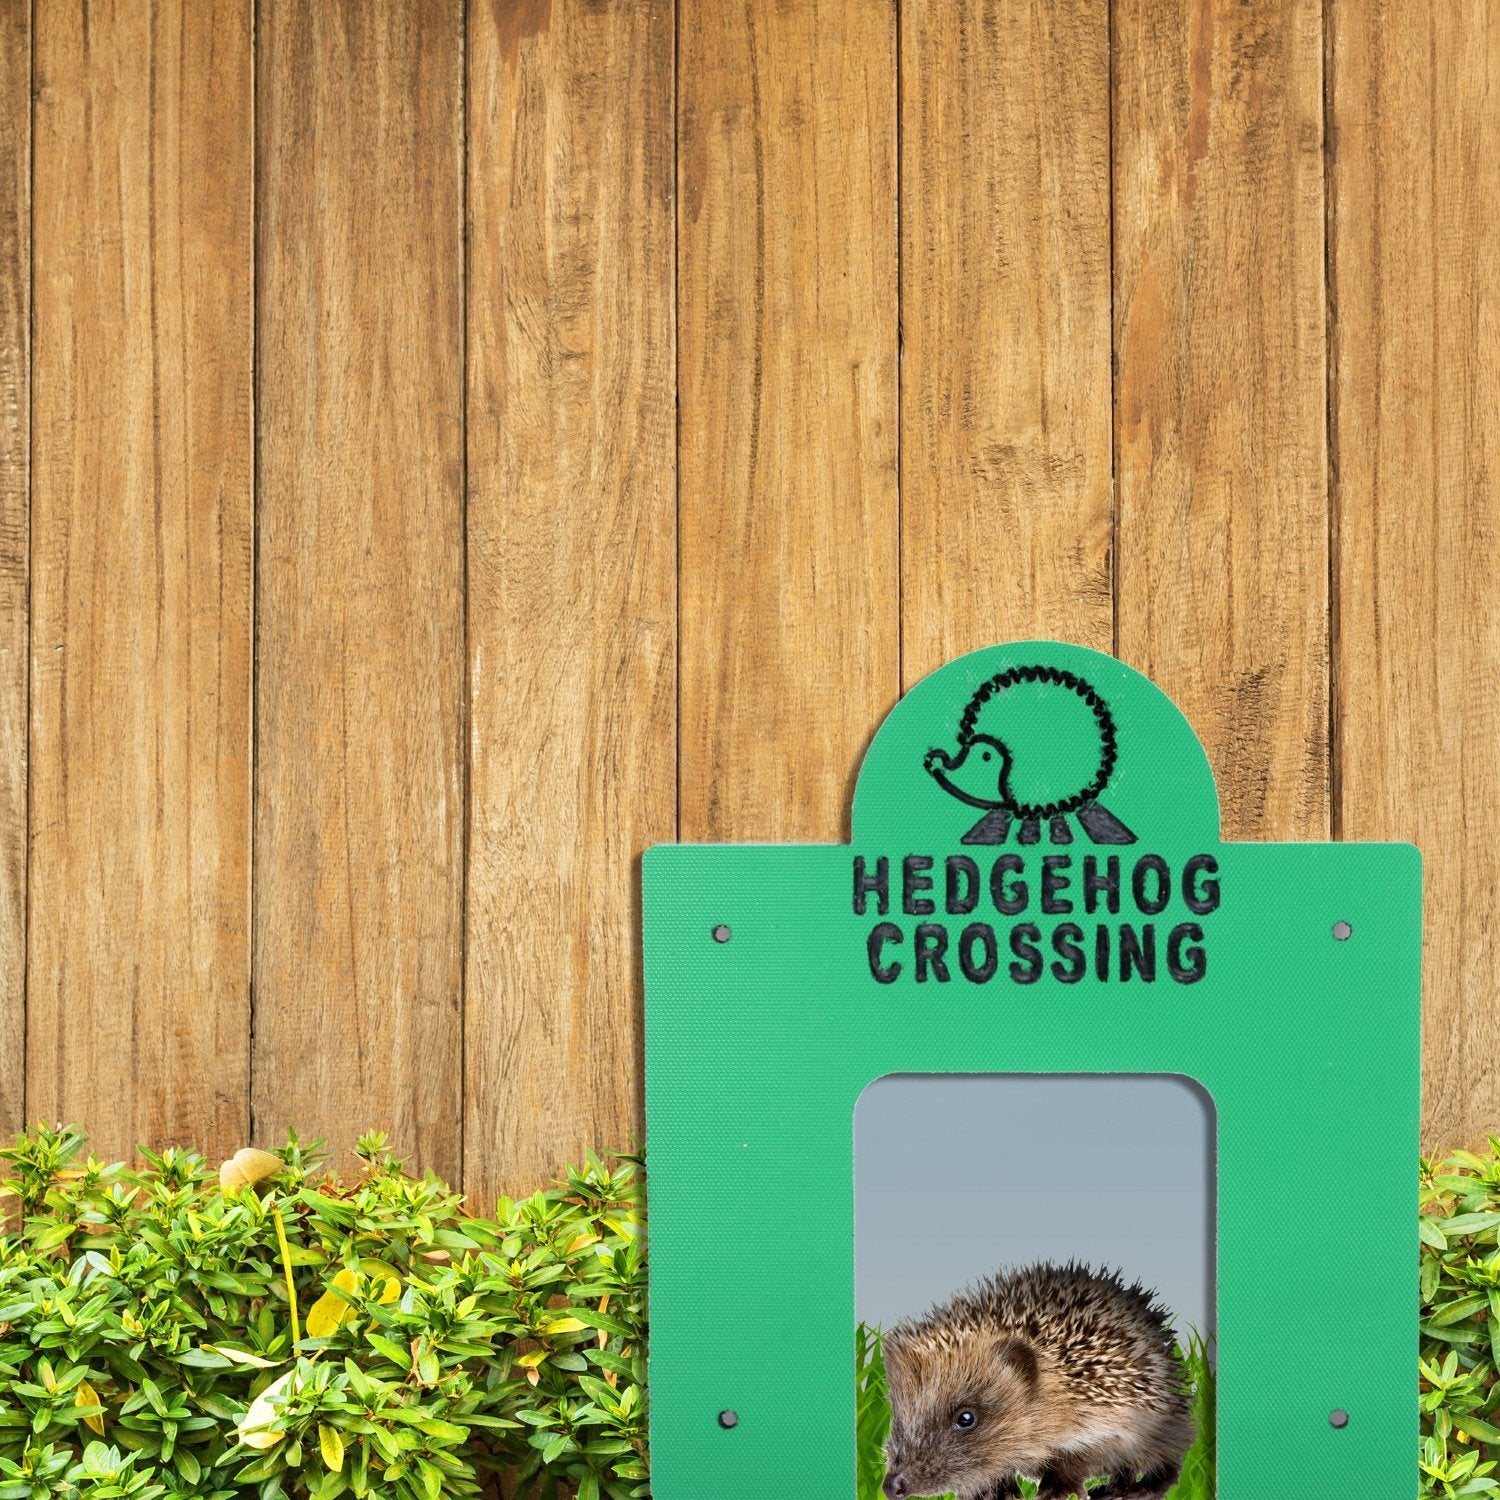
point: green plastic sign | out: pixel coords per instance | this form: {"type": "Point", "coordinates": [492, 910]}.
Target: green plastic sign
{"type": "Point", "coordinates": [1035, 885]}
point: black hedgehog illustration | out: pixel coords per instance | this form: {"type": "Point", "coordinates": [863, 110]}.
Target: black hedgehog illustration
{"type": "Point", "coordinates": [1035, 742]}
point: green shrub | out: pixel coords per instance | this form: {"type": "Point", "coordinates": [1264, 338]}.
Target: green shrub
{"type": "Point", "coordinates": [1460, 1339]}
{"type": "Point", "coordinates": [148, 1348]}
{"type": "Point", "coordinates": [292, 1335]}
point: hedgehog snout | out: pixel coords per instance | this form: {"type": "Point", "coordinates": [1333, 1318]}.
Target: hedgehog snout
{"type": "Point", "coordinates": [895, 1485]}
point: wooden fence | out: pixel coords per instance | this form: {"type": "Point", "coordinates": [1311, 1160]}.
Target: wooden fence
{"type": "Point", "coordinates": [448, 445]}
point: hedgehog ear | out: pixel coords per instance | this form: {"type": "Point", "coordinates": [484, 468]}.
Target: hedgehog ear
{"type": "Point", "coordinates": [1021, 1357]}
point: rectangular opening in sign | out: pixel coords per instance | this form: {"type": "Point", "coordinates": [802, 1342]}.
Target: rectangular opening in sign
{"type": "Point", "coordinates": [1034, 1286]}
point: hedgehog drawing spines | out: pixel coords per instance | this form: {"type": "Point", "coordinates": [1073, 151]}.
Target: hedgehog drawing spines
{"type": "Point", "coordinates": [1034, 743]}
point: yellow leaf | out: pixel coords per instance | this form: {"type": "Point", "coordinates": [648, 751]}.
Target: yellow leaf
{"type": "Point", "coordinates": [87, 1397]}
{"type": "Point", "coordinates": [246, 1167]}
{"type": "Point", "coordinates": [330, 1312]}
{"type": "Point", "coordinates": [44, 1369]}
{"type": "Point", "coordinates": [582, 1240]}
{"type": "Point", "coordinates": [332, 1445]}
{"type": "Point", "coordinates": [261, 1413]}
{"type": "Point", "coordinates": [241, 1357]}
{"type": "Point", "coordinates": [531, 1359]}
{"type": "Point", "coordinates": [326, 1316]}
{"type": "Point", "coordinates": [560, 1325]}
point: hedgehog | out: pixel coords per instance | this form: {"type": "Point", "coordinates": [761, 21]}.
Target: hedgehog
{"type": "Point", "coordinates": [1057, 1373]}
{"type": "Point", "coordinates": [1034, 742]}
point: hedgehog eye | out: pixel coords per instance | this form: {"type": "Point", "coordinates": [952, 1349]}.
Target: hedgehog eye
{"type": "Point", "coordinates": [965, 1420]}
{"type": "Point", "coordinates": [986, 755]}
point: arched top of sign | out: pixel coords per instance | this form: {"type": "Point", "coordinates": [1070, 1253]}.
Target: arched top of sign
{"type": "Point", "coordinates": [1036, 742]}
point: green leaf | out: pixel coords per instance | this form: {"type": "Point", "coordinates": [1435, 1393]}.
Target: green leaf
{"type": "Point", "coordinates": [1475, 1427]}
{"type": "Point", "coordinates": [1463, 1307]}
{"type": "Point", "coordinates": [263, 1468]}
{"type": "Point", "coordinates": [449, 1432]}
{"type": "Point", "coordinates": [1470, 1223]}
{"type": "Point", "coordinates": [391, 1349]}
{"type": "Point", "coordinates": [1450, 1335]}
{"type": "Point", "coordinates": [203, 1359]}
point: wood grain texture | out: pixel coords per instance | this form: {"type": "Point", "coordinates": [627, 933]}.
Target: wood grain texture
{"type": "Point", "coordinates": [572, 571]}
{"type": "Point", "coordinates": [1220, 419]}
{"type": "Point", "coordinates": [359, 786]}
{"type": "Point", "coordinates": [1415, 229]}
{"type": "Point", "coordinates": [1006, 435]}
{"type": "Point", "coordinates": [626, 620]}
{"type": "Point", "coordinates": [15, 469]}
{"type": "Point", "coordinates": [141, 578]}
{"type": "Point", "coordinates": [787, 348]}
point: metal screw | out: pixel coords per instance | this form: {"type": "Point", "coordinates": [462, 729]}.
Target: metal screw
{"type": "Point", "coordinates": [1342, 931]}
{"type": "Point", "coordinates": [729, 1419]}
{"type": "Point", "coordinates": [722, 935]}
{"type": "Point", "coordinates": [1338, 1418]}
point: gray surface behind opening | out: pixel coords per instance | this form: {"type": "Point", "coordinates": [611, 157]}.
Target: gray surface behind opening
{"type": "Point", "coordinates": [956, 1175]}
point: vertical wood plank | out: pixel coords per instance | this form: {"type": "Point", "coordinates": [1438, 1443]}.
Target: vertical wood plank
{"type": "Point", "coordinates": [15, 460]}
{"type": "Point", "coordinates": [787, 320]}
{"type": "Point", "coordinates": [1006, 435]}
{"type": "Point", "coordinates": [140, 671]}
{"type": "Point", "coordinates": [1415, 229]}
{"type": "Point", "coordinates": [572, 570]}
{"type": "Point", "coordinates": [1221, 576]}
{"type": "Point", "coordinates": [359, 776]}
